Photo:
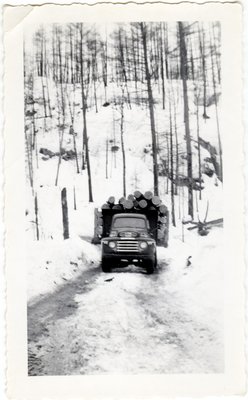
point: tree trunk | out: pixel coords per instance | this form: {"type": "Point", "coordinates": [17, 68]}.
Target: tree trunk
{"type": "Point", "coordinates": [65, 214]}
{"type": "Point", "coordinates": [107, 159]}
{"type": "Point", "coordinates": [167, 164]}
{"type": "Point", "coordinates": [62, 128]}
{"type": "Point", "coordinates": [29, 159]}
{"type": "Point", "coordinates": [220, 174]}
{"type": "Point", "coordinates": [199, 146]}
{"type": "Point", "coordinates": [122, 145]}
{"type": "Point", "coordinates": [204, 76]}
{"type": "Point", "coordinates": [162, 67]}
{"type": "Point", "coordinates": [84, 116]}
{"type": "Point", "coordinates": [75, 150]}
{"type": "Point", "coordinates": [183, 63]}
{"type": "Point", "coordinates": [151, 108]}
{"type": "Point", "coordinates": [123, 66]}
{"type": "Point", "coordinates": [172, 171]}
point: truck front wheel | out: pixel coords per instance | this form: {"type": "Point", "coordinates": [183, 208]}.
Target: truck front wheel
{"type": "Point", "coordinates": [106, 265]}
{"type": "Point", "coordinates": [150, 266]}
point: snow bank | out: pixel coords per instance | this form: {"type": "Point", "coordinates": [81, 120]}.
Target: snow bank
{"type": "Point", "coordinates": [53, 263]}
{"type": "Point", "coordinates": [196, 274]}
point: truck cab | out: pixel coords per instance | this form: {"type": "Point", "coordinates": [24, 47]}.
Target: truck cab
{"type": "Point", "coordinates": [129, 241]}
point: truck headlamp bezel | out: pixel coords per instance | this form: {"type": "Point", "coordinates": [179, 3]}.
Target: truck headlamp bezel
{"type": "Point", "coordinates": [143, 245]}
{"type": "Point", "coordinates": [112, 245]}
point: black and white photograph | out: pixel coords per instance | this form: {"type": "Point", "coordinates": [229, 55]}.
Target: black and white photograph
{"type": "Point", "coordinates": [124, 218]}
{"type": "Point", "coordinates": [127, 204]}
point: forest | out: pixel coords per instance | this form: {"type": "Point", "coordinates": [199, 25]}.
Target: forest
{"type": "Point", "coordinates": [114, 108]}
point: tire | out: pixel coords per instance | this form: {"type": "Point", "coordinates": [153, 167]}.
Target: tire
{"type": "Point", "coordinates": [150, 267]}
{"type": "Point", "coordinates": [155, 261]}
{"type": "Point", "coordinates": [106, 265]}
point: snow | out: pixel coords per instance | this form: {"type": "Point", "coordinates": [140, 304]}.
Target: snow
{"type": "Point", "coordinates": [129, 322]}
{"type": "Point", "coordinates": [203, 278]}
{"type": "Point", "coordinates": [54, 263]}
{"type": "Point", "coordinates": [180, 307]}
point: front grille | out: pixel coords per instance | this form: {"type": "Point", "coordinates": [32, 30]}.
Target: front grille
{"type": "Point", "coordinates": [127, 246]}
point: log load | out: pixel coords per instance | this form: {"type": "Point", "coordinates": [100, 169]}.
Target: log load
{"type": "Point", "coordinates": [137, 202]}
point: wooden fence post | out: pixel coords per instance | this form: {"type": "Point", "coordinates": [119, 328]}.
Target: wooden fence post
{"type": "Point", "coordinates": [65, 214]}
{"type": "Point", "coordinates": [36, 217]}
{"type": "Point", "coordinates": [74, 198]}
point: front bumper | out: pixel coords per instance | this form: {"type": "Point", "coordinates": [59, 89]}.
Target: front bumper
{"type": "Point", "coordinates": [124, 251]}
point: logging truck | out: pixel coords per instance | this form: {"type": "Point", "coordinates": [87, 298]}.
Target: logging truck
{"type": "Point", "coordinates": [130, 231]}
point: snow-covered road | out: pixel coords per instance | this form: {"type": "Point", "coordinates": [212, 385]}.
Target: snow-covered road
{"type": "Point", "coordinates": [123, 322]}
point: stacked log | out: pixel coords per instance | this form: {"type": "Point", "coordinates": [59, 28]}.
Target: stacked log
{"type": "Point", "coordinates": [106, 206]}
{"type": "Point", "coordinates": [131, 197]}
{"type": "Point", "coordinates": [98, 226]}
{"type": "Point", "coordinates": [148, 195]}
{"type": "Point", "coordinates": [143, 204]}
{"type": "Point", "coordinates": [138, 195]}
{"type": "Point", "coordinates": [111, 201]}
{"type": "Point", "coordinates": [136, 201]}
{"type": "Point", "coordinates": [162, 209]}
{"type": "Point", "coordinates": [156, 201]}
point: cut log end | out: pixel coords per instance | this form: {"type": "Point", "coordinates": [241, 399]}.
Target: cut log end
{"type": "Point", "coordinates": [131, 197]}
{"type": "Point", "coordinates": [142, 204]}
{"type": "Point", "coordinates": [156, 201]}
{"type": "Point", "coordinates": [138, 195]}
{"type": "Point", "coordinates": [128, 204]}
{"type": "Point", "coordinates": [111, 200]}
{"type": "Point", "coordinates": [105, 206]}
{"type": "Point", "coordinates": [148, 195]}
{"type": "Point", "coordinates": [163, 209]}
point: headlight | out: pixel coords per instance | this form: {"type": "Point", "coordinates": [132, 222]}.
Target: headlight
{"type": "Point", "coordinates": [143, 245]}
{"type": "Point", "coordinates": [112, 245]}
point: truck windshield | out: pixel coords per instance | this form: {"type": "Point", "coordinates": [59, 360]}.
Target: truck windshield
{"type": "Point", "coordinates": [129, 223]}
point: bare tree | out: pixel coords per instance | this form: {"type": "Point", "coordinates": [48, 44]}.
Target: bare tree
{"type": "Point", "coordinates": [122, 144]}
{"type": "Point", "coordinates": [171, 168]}
{"type": "Point", "coordinates": [84, 108]}
{"type": "Point", "coordinates": [197, 99]}
{"type": "Point", "coordinates": [220, 174]}
{"type": "Point", "coordinates": [143, 28]}
{"type": "Point", "coordinates": [183, 64]}
{"type": "Point", "coordinates": [204, 72]}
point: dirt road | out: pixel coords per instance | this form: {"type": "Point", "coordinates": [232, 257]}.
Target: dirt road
{"type": "Point", "coordinates": [122, 322]}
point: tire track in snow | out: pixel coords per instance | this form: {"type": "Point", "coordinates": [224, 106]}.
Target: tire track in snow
{"type": "Point", "coordinates": [48, 310]}
{"type": "Point", "coordinates": [188, 336]}
{"type": "Point", "coordinates": [133, 323]}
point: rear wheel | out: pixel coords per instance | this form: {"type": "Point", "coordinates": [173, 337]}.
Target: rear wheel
{"type": "Point", "coordinates": [106, 267]}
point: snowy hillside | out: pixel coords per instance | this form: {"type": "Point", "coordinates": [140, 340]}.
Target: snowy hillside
{"type": "Point", "coordinates": [116, 112]}
{"type": "Point", "coordinates": [91, 119]}
{"type": "Point", "coordinates": [104, 127]}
